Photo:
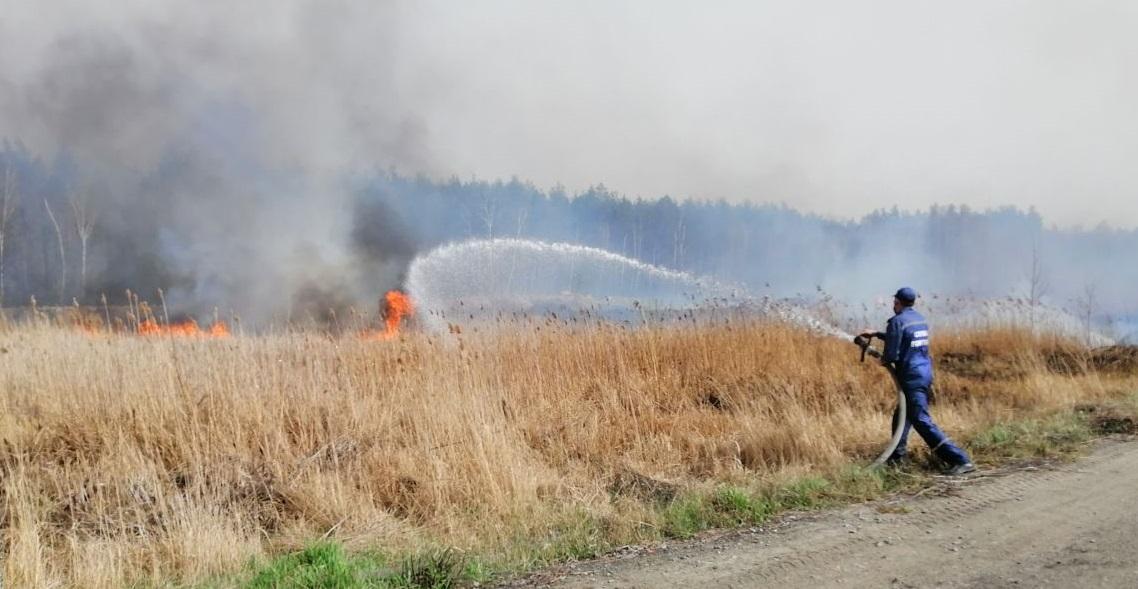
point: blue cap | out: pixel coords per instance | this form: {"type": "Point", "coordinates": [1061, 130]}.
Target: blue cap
{"type": "Point", "coordinates": [906, 295]}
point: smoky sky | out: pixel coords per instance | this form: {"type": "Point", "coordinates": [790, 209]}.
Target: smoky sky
{"type": "Point", "coordinates": [832, 107]}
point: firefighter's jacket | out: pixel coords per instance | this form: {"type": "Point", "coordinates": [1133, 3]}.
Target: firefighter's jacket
{"type": "Point", "coordinates": [907, 349]}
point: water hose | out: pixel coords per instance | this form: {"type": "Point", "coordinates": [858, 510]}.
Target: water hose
{"type": "Point", "coordinates": [899, 415]}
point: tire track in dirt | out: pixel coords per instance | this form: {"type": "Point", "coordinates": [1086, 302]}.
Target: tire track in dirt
{"type": "Point", "coordinates": [1073, 524]}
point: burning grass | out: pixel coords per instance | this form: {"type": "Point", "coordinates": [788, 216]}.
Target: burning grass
{"type": "Point", "coordinates": [188, 328]}
{"type": "Point", "coordinates": [132, 459]}
{"type": "Point", "coordinates": [397, 306]}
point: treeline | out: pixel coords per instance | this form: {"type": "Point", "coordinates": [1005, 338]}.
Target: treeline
{"type": "Point", "coordinates": [774, 248]}
{"type": "Point", "coordinates": [61, 243]}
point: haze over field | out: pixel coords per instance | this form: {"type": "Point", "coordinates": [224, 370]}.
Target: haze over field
{"type": "Point", "coordinates": [227, 146]}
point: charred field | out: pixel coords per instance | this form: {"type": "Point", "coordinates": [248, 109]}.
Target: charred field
{"type": "Point", "coordinates": [174, 458]}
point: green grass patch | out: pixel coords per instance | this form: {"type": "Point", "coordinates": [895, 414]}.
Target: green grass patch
{"type": "Point", "coordinates": [733, 506]}
{"type": "Point", "coordinates": [855, 484]}
{"type": "Point", "coordinates": [326, 565]}
{"type": "Point", "coordinates": [725, 507]}
{"type": "Point", "coordinates": [434, 569]}
{"type": "Point", "coordinates": [806, 493]}
{"type": "Point", "coordinates": [1062, 435]}
{"type": "Point", "coordinates": [685, 517]}
{"type": "Point", "coordinates": [322, 565]}
{"type": "Point", "coordinates": [580, 536]}
{"type": "Point", "coordinates": [729, 506]}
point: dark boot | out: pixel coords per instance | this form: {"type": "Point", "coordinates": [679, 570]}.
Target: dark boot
{"type": "Point", "coordinates": [961, 469]}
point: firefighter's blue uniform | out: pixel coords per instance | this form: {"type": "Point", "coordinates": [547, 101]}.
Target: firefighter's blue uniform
{"type": "Point", "coordinates": [907, 351]}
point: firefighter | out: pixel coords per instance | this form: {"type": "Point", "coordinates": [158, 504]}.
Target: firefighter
{"type": "Point", "coordinates": [906, 352]}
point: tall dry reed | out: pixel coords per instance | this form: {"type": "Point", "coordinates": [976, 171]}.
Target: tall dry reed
{"type": "Point", "coordinates": [128, 458]}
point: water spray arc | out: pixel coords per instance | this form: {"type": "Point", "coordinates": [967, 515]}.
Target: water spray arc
{"type": "Point", "coordinates": [516, 272]}
{"type": "Point", "coordinates": [523, 273]}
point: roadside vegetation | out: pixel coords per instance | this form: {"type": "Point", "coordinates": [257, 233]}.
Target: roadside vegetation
{"type": "Point", "coordinates": [304, 460]}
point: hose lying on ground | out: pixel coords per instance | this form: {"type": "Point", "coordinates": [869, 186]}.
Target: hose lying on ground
{"type": "Point", "coordinates": [899, 415]}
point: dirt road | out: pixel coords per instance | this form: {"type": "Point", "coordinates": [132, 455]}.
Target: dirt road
{"type": "Point", "coordinates": [1070, 525]}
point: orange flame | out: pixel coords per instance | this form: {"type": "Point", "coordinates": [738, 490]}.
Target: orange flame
{"type": "Point", "coordinates": [218, 329]}
{"type": "Point", "coordinates": [397, 306]}
{"type": "Point", "coordinates": [182, 329]}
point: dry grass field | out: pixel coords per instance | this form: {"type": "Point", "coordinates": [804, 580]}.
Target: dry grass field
{"type": "Point", "coordinates": [163, 459]}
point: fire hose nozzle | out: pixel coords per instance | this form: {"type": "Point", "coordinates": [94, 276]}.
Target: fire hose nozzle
{"type": "Point", "coordinates": [866, 345]}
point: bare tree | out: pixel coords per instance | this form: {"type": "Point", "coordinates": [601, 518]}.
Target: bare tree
{"type": "Point", "coordinates": [1038, 286]}
{"type": "Point", "coordinates": [523, 216]}
{"type": "Point", "coordinates": [8, 200]}
{"type": "Point", "coordinates": [1087, 305]}
{"type": "Point", "coordinates": [84, 218]}
{"type": "Point", "coordinates": [679, 238]}
{"type": "Point", "coordinates": [488, 212]}
{"type": "Point", "coordinates": [62, 253]}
